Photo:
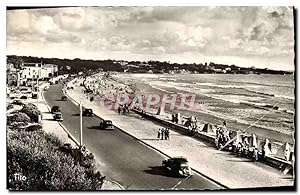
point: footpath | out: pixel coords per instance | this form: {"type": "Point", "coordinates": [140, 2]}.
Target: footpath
{"type": "Point", "coordinates": [54, 127]}
{"type": "Point", "coordinates": [223, 167]}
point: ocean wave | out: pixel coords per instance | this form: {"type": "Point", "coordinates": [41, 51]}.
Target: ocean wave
{"type": "Point", "coordinates": [246, 87]}
{"type": "Point", "coordinates": [158, 88]}
{"type": "Point", "coordinates": [167, 79]}
{"type": "Point", "coordinates": [271, 94]}
{"type": "Point", "coordinates": [246, 122]}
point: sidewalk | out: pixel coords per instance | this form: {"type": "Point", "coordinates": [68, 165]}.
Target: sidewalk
{"type": "Point", "coordinates": [221, 166]}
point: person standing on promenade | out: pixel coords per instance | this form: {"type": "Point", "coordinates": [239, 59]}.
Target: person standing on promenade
{"type": "Point", "coordinates": [167, 135]}
{"type": "Point", "coordinates": [119, 110]}
{"type": "Point", "coordinates": [162, 134]}
{"type": "Point", "coordinates": [158, 133]}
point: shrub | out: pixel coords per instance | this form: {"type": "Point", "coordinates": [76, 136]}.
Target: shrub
{"type": "Point", "coordinates": [32, 111]}
{"type": "Point", "coordinates": [35, 156]}
{"type": "Point", "coordinates": [18, 117]}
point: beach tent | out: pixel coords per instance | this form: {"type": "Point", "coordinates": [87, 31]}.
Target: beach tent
{"type": "Point", "coordinates": [267, 147]}
{"type": "Point", "coordinates": [209, 129]}
{"type": "Point", "coordinates": [238, 137]}
{"type": "Point", "coordinates": [253, 141]}
{"type": "Point", "coordinates": [284, 151]}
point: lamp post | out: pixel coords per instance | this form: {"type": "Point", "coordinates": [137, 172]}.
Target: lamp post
{"type": "Point", "coordinates": [80, 108]}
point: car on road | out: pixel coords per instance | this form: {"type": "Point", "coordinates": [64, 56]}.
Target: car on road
{"type": "Point", "coordinates": [178, 166]}
{"type": "Point", "coordinates": [55, 109]}
{"type": "Point", "coordinates": [18, 102]}
{"type": "Point", "coordinates": [64, 98]}
{"type": "Point", "coordinates": [106, 124]}
{"type": "Point", "coordinates": [24, 97]}
{"type": "Point", "coordinates": [34, 96]}
{"type": "Point", "coordinates": [89, 91]}
{"type": "Point", "coordinates": [88, 112]}
{"type": "Point", "coordinates": [58, 116]}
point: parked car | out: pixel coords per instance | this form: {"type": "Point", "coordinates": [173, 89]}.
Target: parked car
{"type": "Point", "coordinates": [34, 95]}
{"type": "Point", "coordinates": [9, 106]}
{"type": "Point", "coordinates": [18, 102]}
{"type": "Point", "coordinates": [58, 116]}
{"type": "Point", "coordinates": [55, 109]}
{"type": "Point", "coordinates": [106, 124]}
{"type": "Point", "coordinates": [89, 91]}
{"type": "Point", "coordinates": [178, 166]}
{"type": "Point", "coordinates": [24, 97]}
{"type": "Point", "coordinates": [64, 98]}
{"type": "Point", "coordinates": [88, 112]}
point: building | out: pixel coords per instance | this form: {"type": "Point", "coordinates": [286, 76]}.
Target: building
{"type": "Point", "coordinates": [36, 71]}
{"type": "Point", "coordinates": [11, 75]}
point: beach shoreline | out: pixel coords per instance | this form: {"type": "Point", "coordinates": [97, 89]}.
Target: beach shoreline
{"type": "Point", "coordinates": [204, 116]}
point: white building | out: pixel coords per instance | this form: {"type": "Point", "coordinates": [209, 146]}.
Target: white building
{"type": "Point", "coordinates": [34, 71]}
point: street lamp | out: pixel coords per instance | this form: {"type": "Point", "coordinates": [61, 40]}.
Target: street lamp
{"type": "Point", "coordinates": [37, 82]}
{"type": "Point", "coordinates": [80, 108]}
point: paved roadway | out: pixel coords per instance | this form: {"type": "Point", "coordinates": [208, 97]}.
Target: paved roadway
{"type": "Point", "coordinates": [123, 158]}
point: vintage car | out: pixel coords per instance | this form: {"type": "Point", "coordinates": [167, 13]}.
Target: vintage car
{"type": "Point", "coordinates": [34, 96]}
{"type": "Point", "coordinates": [18, 102]}
{"type": "Point", "coordinates": [89, 91]}
{"type": "Point", "coordinates": [24, 97]}
{"type": "Point", "coordinates": [106, 124]}
{"type": "Point", "coordinates": [88, 112]}
{"type": "Point", "coordinates": [58, 116]}
{"type": "Point", "coordinates": [55, 109]}
{"type": "Point", "coordinates": [178, 166]}
{"type": "Point", "coordinates": [64, 98]}
{"type": "Point", "coordinates": [46, 88]}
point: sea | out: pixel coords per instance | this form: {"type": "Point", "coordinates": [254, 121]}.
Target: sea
{"type": "Point", "coordinates": [249, 102]}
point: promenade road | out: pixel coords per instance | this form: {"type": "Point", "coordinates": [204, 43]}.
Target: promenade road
{"type": "Point", "coordinates": [122, 158]}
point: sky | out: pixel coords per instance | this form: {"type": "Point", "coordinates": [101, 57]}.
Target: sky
{"type": "Point", "coordinates": [245, 36]}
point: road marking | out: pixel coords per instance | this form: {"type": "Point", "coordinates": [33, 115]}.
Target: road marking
{"type": "Point", "coordinates": [181, 182]}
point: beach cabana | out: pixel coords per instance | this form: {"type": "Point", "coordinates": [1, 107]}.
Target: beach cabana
{"type": "Point", "coordinates": [284, 151]}
{"type": "Point", "coordinates": [209, 129]}
{"type": "Point", "coordinates": [239, 137]}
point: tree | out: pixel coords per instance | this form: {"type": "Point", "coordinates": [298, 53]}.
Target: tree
{"type": "Point", "coordinates": [17, 61]}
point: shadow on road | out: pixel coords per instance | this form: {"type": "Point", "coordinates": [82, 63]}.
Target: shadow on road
{"type": "Point", "coordinates": [98, 128]}
{"type": "Point", "coordinates": [158, 170]}
{"type": "Point", "coordinates": [150, 139]}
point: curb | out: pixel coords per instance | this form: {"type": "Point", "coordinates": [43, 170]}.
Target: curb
{"type": "Point", "coordinates": [61, 125]}
{"type": "Point", "coordinates": [116, 183]}
{"type": "Point", "coordinates": [157, 150]}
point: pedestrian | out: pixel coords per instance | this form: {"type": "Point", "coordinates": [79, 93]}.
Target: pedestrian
{"type": "Point", "coordinates": [158, 133]}
{"type": "Point", "coordinates": [119, 110]}
{"type": "Point", "coordinates": [167, 134]}
{"type": "Point", "coordinates": [162, 134]}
